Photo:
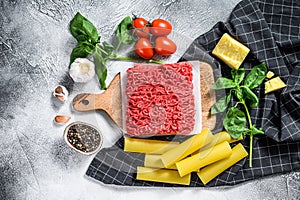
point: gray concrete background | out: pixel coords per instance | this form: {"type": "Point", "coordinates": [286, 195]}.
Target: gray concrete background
{"type": "Point", "coordinates": [35, 45]}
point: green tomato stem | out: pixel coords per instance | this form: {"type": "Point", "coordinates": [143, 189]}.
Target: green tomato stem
{"type": "Point", "coordinates": [100, 49]}
{"type": "Point", "coordinates": [137, 59]}
{"type": "Point", "coordinates": [118, 47]}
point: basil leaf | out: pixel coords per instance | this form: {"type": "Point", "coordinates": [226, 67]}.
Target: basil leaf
{"type": "Point", "coordinates": [83, 30]}
{"type": "Point", "coordinates": [256, 131]}
{"type": "Point", "coordinates": [123, 31]}
{"type": "Point", "coordinates": [221, 104]}
{"type": "Point", "coordinates": [238, 92]}
{"type": "Point", "coordinates": [223, 83]}
{"type": "Point", "coordinates": [238, 75]}
{"type": "Point", "coordinates": [251, 96]}
{"type": "Point", "coordinates": [101, 70]}
{"type": "Point", "coordinates": [82, 50]}
{"type": "Point", "coordinates": [107, 50]}
{"type": "Point", "coordinates": [256, 76]}
{"type": "Point", "coordinates": [235, 122]}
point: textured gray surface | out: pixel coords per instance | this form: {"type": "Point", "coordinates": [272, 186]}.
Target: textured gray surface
{"type": "Point", "coordinates": [35, 44]}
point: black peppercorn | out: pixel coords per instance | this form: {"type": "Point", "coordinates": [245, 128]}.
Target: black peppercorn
{"type": "Point", "coordinates": [83, 137]}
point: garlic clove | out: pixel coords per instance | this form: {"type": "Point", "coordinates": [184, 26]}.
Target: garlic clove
{"type": "Point", "coordinates": [82, 70]}
{"type": "Point", "coordinates": [61, 93]}
{"type": "Point", "coordinates": [61, 119]}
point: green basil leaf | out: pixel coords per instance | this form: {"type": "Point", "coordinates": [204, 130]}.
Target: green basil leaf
{"type": "Point", "coordinates": [238, 92]}
{"type": "Point", "coordinates": [251, 96]}
{"type": "Point", "coordinates": [83, 30]}
{"type": "Point", "coordinates": [101, 70]}
{"type": "Point", "coordinates": [123, 31]}
{"type": "Point", "coordinates": [223, 83]}
{"type": "Point", "coordinates": [256, 76]}
{"type": "Point", "coordinates": [107, 50]}
{"type": "Point", "coordinates": [221, 104]}
{"type": "Point", "coordinates": [235, 122]}
{"type": "Point", "coordinates": [238, 75]}
{"type": "Point", "coordinates": [82, 50]}
{"type": "Point", "coordinates": [256, 131]}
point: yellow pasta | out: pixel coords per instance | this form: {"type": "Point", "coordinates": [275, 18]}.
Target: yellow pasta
{"type": "Point", "coordinates": [203, 158]}
{"type": "Point", "coordinates": [219, 138]}
{"type": "Point", "coordinates": [162, 175]}
{"type": "Point", "coordinates": [148, 146]}
{"type": "Point", "coordinates": [208, 173]}
{"type": "Point", "coordinates": [187, 147]}
{"type": "Point", "coordinates": [154, 161]}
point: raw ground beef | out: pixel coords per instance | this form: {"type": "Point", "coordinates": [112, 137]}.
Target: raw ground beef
{"type": "Point", "coordinates": [160, 99]}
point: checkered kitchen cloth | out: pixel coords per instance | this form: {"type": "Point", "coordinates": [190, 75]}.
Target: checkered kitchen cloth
{"type": "Point", "coordinates": [271, 29]}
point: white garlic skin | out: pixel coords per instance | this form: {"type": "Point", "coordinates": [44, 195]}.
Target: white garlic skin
{"type": "Point", "coordinates": [61, 93]}
{"type": "Point", "coordinates": [82, 70]}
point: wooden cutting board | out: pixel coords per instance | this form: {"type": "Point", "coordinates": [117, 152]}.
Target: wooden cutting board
{"type": "Point", "coordinates": [111, 101]}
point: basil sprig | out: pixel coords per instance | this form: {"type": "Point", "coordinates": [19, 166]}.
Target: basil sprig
{"type": "Point", "coordinates": [235, 121]}
{"type": "Point", "coordinates": [88, 43]}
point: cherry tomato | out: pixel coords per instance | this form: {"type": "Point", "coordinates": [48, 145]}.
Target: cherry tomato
{"type": "Point", "coordinates": [164, 46]}
{"type": "Point", "coordinates": [161, 27]}
{"type": "Point", "coordinates": [144, 49]}
{"type": "Point", "coordinates": [141, 28]}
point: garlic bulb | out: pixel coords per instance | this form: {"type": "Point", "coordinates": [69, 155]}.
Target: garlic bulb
{"type": "Point", "coordinates": [61, 93]}
{"type": "Point", "coordinates": [82, 70]}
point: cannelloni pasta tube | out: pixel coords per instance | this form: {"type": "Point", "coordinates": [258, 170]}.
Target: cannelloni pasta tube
{"type": "Point", "coordinates": [162, 175]}
{"type": "Point", "coordinates": [187, 147]}
{"type": "Point", "coordinates": [148, 146]}
{"type": "Point", "coordinates": [203, 158]}
{"type": "Point", "coordinates": [209, 172]}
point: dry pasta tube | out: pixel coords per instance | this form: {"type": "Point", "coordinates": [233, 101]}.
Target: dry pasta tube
{"type": "Point", "coordinates": [219, 138]}
{"type": "Point", "coordinates": [154, 161]}
{"type": "Point", "coordinates": [162, 175]}
{"type": "Point", "coordinates": [148, 146]}
{"type": "Point", "coordinates": [203, 158]}
{"type": "Point", "coordinates": [187, 147]}
{"type": "Point", "coordinates": [208, 173]}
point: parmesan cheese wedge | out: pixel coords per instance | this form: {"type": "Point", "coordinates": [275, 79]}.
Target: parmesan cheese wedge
{"type": "Point", "coordinates": [208, 173]}
{"type": "Point", "coordinates": [274, 84]}
{"type": "Point", "coordinates": [162, 175]}
{"type": "Point", "coordinates": [270, 74]}
{"type": "Point", "coordinates": [203, 158]}
{"type": "Point", "coordinates": [230, 51]}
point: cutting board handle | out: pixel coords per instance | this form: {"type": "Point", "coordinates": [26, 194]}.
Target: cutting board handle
{"type": "Point", "coordinates": [88, 102]}
{"type": "Point", "coordinates": [104, 101]}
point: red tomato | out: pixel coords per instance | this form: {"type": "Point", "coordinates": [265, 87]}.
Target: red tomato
{"type": "Point", "coordinates": [141, 29]}
{"type": "Point", "coordinates": [164, 46]}
{"type": "Point", "coordinates": [161, 27]}
{"type": "Point", "coordinates": [144, 49]}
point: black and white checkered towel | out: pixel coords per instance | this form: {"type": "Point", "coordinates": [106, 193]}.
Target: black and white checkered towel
{"type": "Point", "coordinates": [271, 29]}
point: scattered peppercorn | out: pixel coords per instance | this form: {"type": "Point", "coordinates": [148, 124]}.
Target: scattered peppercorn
{"type": "Point", "coordinates": [83, 137]}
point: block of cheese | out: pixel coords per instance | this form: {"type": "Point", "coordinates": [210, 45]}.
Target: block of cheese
{"type": "Point", "coordinates": [148, 146]}
{"type": "Point", "coordinates": [154, 161]}
{"type": "Point", "coordinates": [209, 172]}
{"type": "Point", "coordinates": [274, 84]}
{"type": "Point", "coordinates": [230, 51]}
{"type": "Point", "coordinates": [203, 158]}
{"type": "Point", "coordinates": [162, 175]}
{"type": "Point", "coordinates": [270, 74]}
{"type": "Point", "coordinates": [187, 147]}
